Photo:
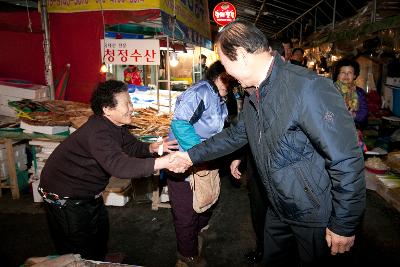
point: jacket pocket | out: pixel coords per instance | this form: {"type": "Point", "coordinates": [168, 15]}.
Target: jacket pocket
{"type": "Point", "coordinates": [308, 189]}
{"type": "Point", "coordinates": [294, 197]}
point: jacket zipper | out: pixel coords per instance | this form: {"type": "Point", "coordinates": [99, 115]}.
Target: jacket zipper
{"type": "Point", "coordinates": [309, 191]}
{"type": "Point", "coordinates": [259, 123]}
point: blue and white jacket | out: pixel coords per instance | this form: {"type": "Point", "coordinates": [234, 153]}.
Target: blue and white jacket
{"type": "Point", "coordinates": [199, 114]}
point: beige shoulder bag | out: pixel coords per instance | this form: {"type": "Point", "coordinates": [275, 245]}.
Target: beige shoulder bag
{"type": "Point", "coordinates": [205, 185]}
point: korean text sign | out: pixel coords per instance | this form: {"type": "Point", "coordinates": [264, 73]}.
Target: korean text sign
{"type": "Point", "coordinates": [224, 13]}
{"type": "Point", "coordinates": [130, 52]}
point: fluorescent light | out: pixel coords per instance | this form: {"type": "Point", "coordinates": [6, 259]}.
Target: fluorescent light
{"type": "Point", "coordinates": [173, 59]}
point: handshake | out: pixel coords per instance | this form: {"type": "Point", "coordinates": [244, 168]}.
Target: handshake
{"type": "Point", "coordinates": [177, 162]}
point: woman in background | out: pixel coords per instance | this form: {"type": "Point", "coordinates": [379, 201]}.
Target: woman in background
{"type": "Point", "coordinates": [346, 73]}
{"type": "Point", "coordinates": [345, 76]}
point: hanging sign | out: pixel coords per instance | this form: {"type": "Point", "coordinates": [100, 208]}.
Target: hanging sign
{"type": "Point", "coordinates": [130, 52]}
{"type": "Point", "coordinates": [224, 13]}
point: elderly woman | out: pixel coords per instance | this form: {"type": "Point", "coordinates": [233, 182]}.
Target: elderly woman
{"type": "Point", "coordinates": [346, 73]}
{"type": "Point", "coordinates": [200, 113]}
{"type": "Point", "coordinates": [79, 169]}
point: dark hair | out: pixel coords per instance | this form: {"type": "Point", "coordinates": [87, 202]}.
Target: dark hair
{"type": "Point", "coordinates": [104, 95]}
{"type": "Point", "coordinates": [215, 70]}
{"type": "Point", "coordinates": [241, 34]}
{"type": "Point", "coordinates": [298, 49]}
{"type": "Point", "coordinates": [346, 63]}
{"type": "Point", "coordinates": [203, 56]}
{"type": "Point", "coordinates": [134, 68]}
{"type": "Point", "coordinates": [276, 45]}
{"type": "Point", "coordinates": [287, 40]}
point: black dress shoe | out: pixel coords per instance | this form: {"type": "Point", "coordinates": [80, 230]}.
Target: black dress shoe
{"type": "Point", "coordinates": [254, 256]}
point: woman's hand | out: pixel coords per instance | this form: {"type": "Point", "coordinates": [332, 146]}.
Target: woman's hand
{"type": "Point", "coordinates": [168, 146]}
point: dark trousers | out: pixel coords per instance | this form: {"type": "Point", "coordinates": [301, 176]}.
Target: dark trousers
{"type": "Point", "coordinates": [258, 201]}
{"type": "Point", "coordinates": [187, 222]}
{"type": "Point", "coordinates": [80, 227]}
{"type": "Point", "coordinates": [289, 245]}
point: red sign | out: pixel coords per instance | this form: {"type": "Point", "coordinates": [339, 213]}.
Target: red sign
{"type": "Point", "coordinates": [224, 13]}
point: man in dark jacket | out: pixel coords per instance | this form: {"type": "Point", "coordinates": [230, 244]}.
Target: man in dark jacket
{"type": "Point", "coordinates": [79, 169]}
{"type": "Point", "coordinates": [305, 147]}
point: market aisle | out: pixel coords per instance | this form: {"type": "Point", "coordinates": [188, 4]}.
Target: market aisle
{"type": "Point", "coordinates": [147, 237]}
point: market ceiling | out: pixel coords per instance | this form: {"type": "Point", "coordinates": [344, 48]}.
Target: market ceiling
{"type": "Point", "coordinates": [294, 18]}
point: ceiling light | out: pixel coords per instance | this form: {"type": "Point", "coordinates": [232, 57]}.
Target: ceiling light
{"type": "Point", "coordinates": [103, 68]}
{"type": "Point", "coordinates": [173, 59]}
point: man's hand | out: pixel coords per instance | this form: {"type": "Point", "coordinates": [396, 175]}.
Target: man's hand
{"type": "Point", "coordinates": [179, 162]}
{"type": "Point", "coordinates": [183, 155]}
{"type": "Point", "coordinates": [173, 162]}
{"type": "Point", "coordinates": [168, 147]}
{"type": "Point", "coordinates": [338, 243]}
{"type": "Point", "coordinates": [235, 168]}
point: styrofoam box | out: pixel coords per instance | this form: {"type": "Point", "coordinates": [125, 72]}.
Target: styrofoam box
{"type": "Point", "coordinates": [36, 196]}
{"type": "Point", "coordinates": [116, 199]}
{"type": "Point", "coordinates": [43, 129]}
{"type": "Point", "coordinates": [33, 92]}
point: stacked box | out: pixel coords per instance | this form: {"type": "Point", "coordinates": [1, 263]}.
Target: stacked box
{"type": "Point", "coordinates": [43, 150]}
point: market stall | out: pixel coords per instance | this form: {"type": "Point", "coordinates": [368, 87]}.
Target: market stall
{"type": "Point", "coordinates": [106, 32]}
{"type": "Point", "coordinates": [179, 22]}
{"type": "Point", "coordinates": [372, 38]}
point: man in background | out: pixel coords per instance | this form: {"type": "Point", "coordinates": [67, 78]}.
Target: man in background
{"type": "Point", "coordinates": [200, 69]}
{"type": "Point", "coordinates": [287, 46]}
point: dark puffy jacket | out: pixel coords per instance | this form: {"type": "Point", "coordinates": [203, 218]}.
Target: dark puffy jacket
{"type": "Point", "coordinates": [305, 146]}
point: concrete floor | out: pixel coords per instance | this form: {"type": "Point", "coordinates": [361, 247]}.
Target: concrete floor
{"type": "Point", "coordinates": [147, 237]}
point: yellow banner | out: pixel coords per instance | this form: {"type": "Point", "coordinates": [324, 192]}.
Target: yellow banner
{"type": "Point", "coordinates": [68, 6]}
{"type": "Point", "coordinates": [192, 13]}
